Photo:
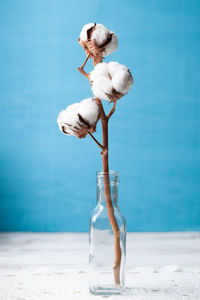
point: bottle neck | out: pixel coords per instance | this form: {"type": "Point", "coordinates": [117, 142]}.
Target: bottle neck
{"type": "Point", "coordinates": [107, 188]}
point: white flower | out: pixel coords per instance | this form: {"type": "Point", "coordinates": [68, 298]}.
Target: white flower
{"type": "Point", "coordinates": [79, 118]}
{"type": "Point", "coordinates": [97, 40]}
{"type": "Point", "coordinates": [110, 81]}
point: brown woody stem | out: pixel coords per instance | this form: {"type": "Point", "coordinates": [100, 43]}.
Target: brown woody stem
{"type": "Point", "coordinates": [107, 191]}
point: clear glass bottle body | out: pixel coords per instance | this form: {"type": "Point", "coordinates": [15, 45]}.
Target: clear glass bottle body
{"type": "Point", "coordinates": [102, 241]}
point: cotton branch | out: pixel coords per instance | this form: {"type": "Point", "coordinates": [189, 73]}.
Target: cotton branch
{"type": "Point", "coordinates": [85, 40]}
{"type": "Point", "coordinates": [109, 81]}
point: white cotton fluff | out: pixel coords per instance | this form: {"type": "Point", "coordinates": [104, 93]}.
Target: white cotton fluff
{"type": "Point", "coordinates": [100, 34]}
{"type": "Point", "coordinates": [112, 46]}
{"type": "Point", "coordinates": [89, 110]}
{"type": "Point", "coordinates": [101, 70]}
{"type": "Point", "coordinates": [83, 34]}
{"type": "Point", "coordinates": [110, 81]}
{"type": "Point", "coordinates": [102, 87]}
{"type": "Point", "coordinates": [69, 120]}
{"type": "Point", "coordinates": [122, 81]}
{"type": "Point", "coordinates": [114, 67]}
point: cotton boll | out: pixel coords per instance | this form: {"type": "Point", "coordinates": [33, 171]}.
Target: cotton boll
{"type": "Point", "coordinates": [83, 35]}
{"type": "Point", "coordinates": [110, 81]}
{"type": "Point", "coordinates": [100, 34]}
{"type": "Point", "coordinates": [101, 69]}
{"type": "Point", "coordinates": [79, 118]}
{"type": "Point", "coordinates": [97, 40]}
{"type": "Point", "coordinates": [102, 87]}
{"type": "Point", "coordinates": [122, 81]}
{"type": "Point", "coordinates": [112, 46]}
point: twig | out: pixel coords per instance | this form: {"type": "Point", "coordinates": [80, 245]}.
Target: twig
{"type": "Point", "coordinates": [83, 72]}
{"type": "Point", "coordinates": [87, 57]}
{"type": "Point", "coordinates": [102, 147]}
{"type": "Point", "coordinates": [112, 110]}
{"type": "Point", "coordinates": [83, 65]}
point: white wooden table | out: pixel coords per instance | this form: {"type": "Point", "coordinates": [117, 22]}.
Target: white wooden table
{"type": "Point", "coordinates": [54, 266]}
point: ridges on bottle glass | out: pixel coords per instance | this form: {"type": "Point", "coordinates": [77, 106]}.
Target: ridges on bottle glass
{"type": "Point", "coordinates": [106, 269]}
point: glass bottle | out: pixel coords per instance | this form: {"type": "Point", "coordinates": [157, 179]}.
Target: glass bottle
{"type": "Point", "coordinates": [103, 239]}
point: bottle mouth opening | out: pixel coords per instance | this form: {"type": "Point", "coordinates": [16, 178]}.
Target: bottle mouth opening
{"type": "Point", "coordinates": [111, 172]}
{"type": "Point", "coordinates": [111, 179]}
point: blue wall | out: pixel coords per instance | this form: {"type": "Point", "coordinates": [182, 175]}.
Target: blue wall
{"type": "Point", "coordinates": [47, 180]}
